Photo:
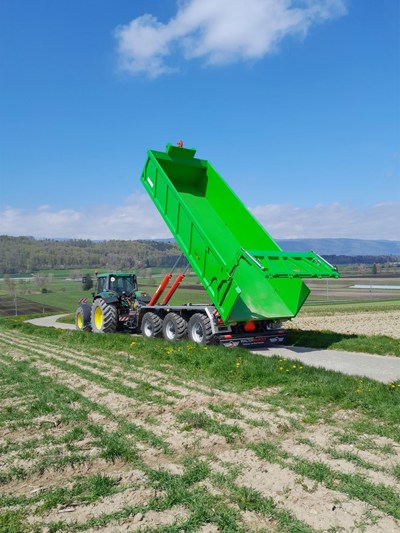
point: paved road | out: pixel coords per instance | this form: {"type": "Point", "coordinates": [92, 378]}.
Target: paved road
{"type": "Point", "coordinates": [51, 322]}
{"type": "Point", "coordinates": [380, 368]}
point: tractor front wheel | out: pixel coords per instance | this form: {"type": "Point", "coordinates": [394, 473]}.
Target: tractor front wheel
{"type": "Point", "coordinates": [151, 325]}
{"type": "Point", "coordinates": [82, 318]}
{"type": "Point", "coordinates": [104, 317]}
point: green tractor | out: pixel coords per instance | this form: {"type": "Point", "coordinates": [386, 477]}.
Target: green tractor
{"type": "Point", "coordinates": [116, 305]}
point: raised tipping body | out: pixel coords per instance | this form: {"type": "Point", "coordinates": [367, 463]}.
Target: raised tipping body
{"type": "Point", "coordinates": [243, 270]}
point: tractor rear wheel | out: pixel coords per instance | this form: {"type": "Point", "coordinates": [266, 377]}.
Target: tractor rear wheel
{"type": "Point", "coordinates": [174, 327]}
{"type": "Point", "coordinates": [104, 317]}
{"type": "Point", "coordinates": [199, 329]}
{"type": "Point", "coordinates": [82, 318]}
{"type": "Point", "coordinates": [152, 325]}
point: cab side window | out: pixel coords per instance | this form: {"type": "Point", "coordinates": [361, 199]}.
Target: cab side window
{"type": "Point", "coordinates": [101, 284]}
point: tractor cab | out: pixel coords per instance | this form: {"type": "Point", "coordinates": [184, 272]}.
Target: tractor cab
{"type": "Point", "coordinates": [119, 284]}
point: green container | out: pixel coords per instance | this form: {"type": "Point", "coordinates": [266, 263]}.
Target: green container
{"type": "Point", "coordinates": [244, 271]}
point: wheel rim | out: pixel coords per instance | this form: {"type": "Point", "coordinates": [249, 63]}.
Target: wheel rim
{"type": "Point", "coordinates": [197, 332]}
{"type": "Point", "coordinates": [170, 330]}
{"type": "Point", "coordinates": [98, 318]}
{"type": "Point", "coordinates": [148, 328]}
{"type": "Point", "coordinates": [79, 320]}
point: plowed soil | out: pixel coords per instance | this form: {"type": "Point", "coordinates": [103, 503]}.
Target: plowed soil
{"type": "Point", "coordinates": [372, 323]}
{"type": "Point", "coordinates": [24, 307]}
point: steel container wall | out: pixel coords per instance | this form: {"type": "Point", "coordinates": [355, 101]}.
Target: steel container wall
{"type": "Point", "coordinates": [245, 273]}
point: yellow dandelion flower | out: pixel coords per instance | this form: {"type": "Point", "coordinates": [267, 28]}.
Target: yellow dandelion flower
{"type": "Point", "coordinates": [133, 343]}
{"type": "Point", "coordinates": [294, 366]}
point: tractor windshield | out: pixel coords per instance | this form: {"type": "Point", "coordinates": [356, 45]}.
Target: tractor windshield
{"type": "Point", "coordinates": [122, 284]}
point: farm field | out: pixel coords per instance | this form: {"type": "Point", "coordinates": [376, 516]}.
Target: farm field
{"type": "Point", "coordinates": [341, 290]}
{"type": "Point", "coordinates": [372, 322]}
{"type": "Point", "coordinates": [24, 307]}
{"type": "Point", "coordinates": [114, 433]}
{"type": "Point", "coordinates": [63, 294]}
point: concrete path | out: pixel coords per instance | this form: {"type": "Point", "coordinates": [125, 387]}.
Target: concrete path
{"type": "Point", "coordinates": [383, 368]}
{"type": "Point", "coordinates": [51, 322]}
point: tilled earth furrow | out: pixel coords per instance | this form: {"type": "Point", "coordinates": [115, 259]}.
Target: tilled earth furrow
{"type": "Point", "coordinates": [260, 411]}
{"type": "Point", "coordinates": [194, 426]}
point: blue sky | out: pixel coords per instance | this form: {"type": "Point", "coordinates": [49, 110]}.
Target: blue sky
{"type": "Point", "coordinates": [296, 103]}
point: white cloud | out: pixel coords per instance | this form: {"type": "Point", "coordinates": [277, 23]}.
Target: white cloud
{"type": "Point", "coordinates": [378, 221]}
{"type": "Point", "coordinates": [218, 31]}
{"type": "Point", "coordinates": [138, 219]}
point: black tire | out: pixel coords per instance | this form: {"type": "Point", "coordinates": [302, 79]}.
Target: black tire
{"type": "Point", "coordinates": [104, 317]}
{"type": "Point", "coordinates": [82, 318]}
{"type": "Point", "coordinates": [174, 327]}
{"type": "Point", "coordinates": [152, 326]}
{"type": "Point", "coordinates": [199, 329]}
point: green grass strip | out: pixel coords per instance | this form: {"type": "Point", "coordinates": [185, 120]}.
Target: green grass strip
{"type": "Point", "coordinates": [200, 420]}
{"type": "Point", "coordinates": [376, 344]}
{"type": "Point", "coordinates": [354, 485]}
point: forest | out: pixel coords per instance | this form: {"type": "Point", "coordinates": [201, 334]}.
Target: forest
{"type": "Point", "coordinates": [20, 255]}
{"type": "Point", "coordinates": [26, 254]}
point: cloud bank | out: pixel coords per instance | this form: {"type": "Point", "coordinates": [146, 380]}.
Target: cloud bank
{"type": "Point", "coordinates": [138, 219]}
{"type": "Point", "coordinates": [217, 32]}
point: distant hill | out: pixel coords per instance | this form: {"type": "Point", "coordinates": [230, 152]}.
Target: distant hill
{"type": "Point", "coordinates": [349, 247]}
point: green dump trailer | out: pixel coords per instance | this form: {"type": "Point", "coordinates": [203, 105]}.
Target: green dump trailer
{"type": "Point", "coordinates": [252, 284]}
{"type": "Point", "coordinates": [245, 273]}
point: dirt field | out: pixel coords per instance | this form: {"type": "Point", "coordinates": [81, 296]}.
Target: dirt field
{"type": "Point", "coordinates": [175, 455]}
{"type": "Point", "coordinates": [24, 307]}
{"type": "Point", "coordinates": [372, 323]}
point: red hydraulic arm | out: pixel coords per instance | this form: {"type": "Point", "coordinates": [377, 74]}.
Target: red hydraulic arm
{"type": "Point", "coordinates": [164, 283]}
{"type": "Point", "coordinates": [160, 289]}
{"type": "Point", "coordinates": [174, 286]}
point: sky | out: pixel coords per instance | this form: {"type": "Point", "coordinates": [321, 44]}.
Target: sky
{"type": "Point", "coordinates": [296, 103]}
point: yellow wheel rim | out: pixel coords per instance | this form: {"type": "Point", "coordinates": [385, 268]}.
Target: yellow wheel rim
{"type": "Point", "coordinates": [98, 318]}
{"type": "Point", "coordinates": [79, 320]}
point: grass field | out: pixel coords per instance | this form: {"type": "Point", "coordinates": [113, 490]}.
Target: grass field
{"type": "Point", "coordinates": [114, 433]}
{"type": "Point", "coordinates": [64, 294]}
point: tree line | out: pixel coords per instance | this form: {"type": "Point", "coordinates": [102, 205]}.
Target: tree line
{"type": "Point", "coordinates": [26, 254]}
{"type": "Point", "coordinates": [361, 259]}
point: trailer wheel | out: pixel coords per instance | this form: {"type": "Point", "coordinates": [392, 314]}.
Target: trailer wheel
{"type": "Point", "coordinates": [174, 327]}
{"type": "Point", "coordinates": [199, 329]}
{"type": "Point", "coordinates": [82, 318]}
{"type": "Point", "coordinates": [152, 325]}
{"type": "Point", "coordinates": [104, 317]}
